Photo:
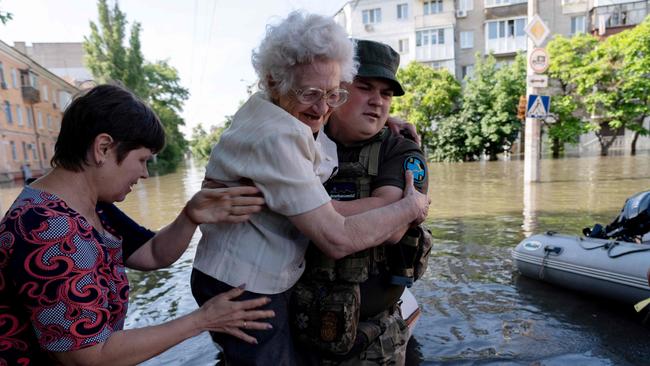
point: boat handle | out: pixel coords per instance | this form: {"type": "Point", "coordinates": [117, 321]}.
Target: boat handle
{"type": "Point", "coordinates": [551, 249]}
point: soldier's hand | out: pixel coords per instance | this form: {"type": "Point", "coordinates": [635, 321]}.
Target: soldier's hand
{"type": "Point", "coordinates": [420, 201]}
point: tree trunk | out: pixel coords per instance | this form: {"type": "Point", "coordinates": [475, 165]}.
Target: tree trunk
{"type": "Point", "coordinates": [633, 146]}
{"type": "Point", "coordinates": [556, 148]}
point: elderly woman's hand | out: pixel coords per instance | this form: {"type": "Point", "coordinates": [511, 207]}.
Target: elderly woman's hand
{"type": "Point", "coordinates": [401, 127]}
{"type": "Point", "coordinates": [222, 314]}
{"type": "Point", "coordinates": [233, 205]}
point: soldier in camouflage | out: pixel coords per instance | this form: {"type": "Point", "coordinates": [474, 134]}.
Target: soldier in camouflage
{"type": "Point", "coordinates": [346, 312]}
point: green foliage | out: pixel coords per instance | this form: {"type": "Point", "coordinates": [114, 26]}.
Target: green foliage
{"type": "Point", "coordinates": [5, 17]}
{"type": "Point", "coordinates": [487, 122]}
{"type": "Point", "coordinates": [603, 83]}
{"type": "Point", "coordinates": [431, 95]}
{"type": "Point", "coordinates": [157, 83]}
{"type": "Point", "coordinates": [567, 56]}
{"type": "Point", "coordinates": [202, 142]}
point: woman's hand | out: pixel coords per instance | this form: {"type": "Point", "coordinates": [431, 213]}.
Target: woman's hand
{"type": "Point", "coordinates": [234, 205]}
{"type": "Point", "coordinates": [401, 127]}
{"type": "Point", "coordinates": [222, 314]}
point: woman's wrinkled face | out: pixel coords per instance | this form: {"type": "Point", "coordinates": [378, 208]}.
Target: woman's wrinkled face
{"type": "Point", "coordinates": [325, 75]}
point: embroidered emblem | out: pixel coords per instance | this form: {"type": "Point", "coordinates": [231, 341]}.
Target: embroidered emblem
{"type": "Point", "coordinates": [414, 164]}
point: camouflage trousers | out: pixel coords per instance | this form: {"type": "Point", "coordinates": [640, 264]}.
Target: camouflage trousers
{"type": "Point", "coordinates": [388, 349]}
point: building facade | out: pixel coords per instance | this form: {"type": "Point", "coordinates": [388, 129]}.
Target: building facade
{"type": "Point", "coordinates": [450, 34]}
{"type": "Point", "coordinates": [64, 59]}
{"type": "Point", "coordinates": [32, 100]}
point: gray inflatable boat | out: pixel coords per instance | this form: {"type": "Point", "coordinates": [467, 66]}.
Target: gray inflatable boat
{"type": "Point", "coordinates": [603, 267]}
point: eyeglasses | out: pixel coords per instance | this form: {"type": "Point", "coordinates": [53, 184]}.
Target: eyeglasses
{"type": "Point", "coordinates": [334, 98]}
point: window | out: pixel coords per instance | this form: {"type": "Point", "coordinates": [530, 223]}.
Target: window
{"type": "Point", "coordinates": [39, 116]}
{"type": "Point", "coordinates": [30, 117]}
{"type": "Point", "coordinates": [46, 94]}
{"type": "Point", "coordinates": [371, 16]}
{"type": "Point", "coordinates": [467, 39]}
{"type": "Point", "coordinates": [430, 36]}
{"type": "Point", "coordinates": [14, 78]}
{"type": "Point", "coordinates": [19, 115]}
{"type": "Point", "coordinates": [33, 80]}
{"type": "Point", "coordinates": [2, 73]}
{"type": "Point", "coordinates": [14, 155]}
{"type": "Point", "coordinates": [25, 156]}
{"type": "Point", "coordinates": [578, 24]}
{"type": "Point", "coordinates": [44, 151]}
{"type": "Point", "coordinates": [7, 108]}
{"type": "Point", "coordinates": [506, 28]}
{"type": "Point", "coordinates": [403, 45]}
{"type": "Point", "coordinates": [49, 122]}
{"type": "Point", "coordinates": [402, 11]}
{"type": "Point", "coordinates": [466, 5]}
{"type": "Point", "coordinates": [489, 3]}
{"type": "Point", "coordinates": [432, 7]}
{"type": "Point", "coordinates": [466, 70]}
{"type": "Point", "coordinates": [33, 148]}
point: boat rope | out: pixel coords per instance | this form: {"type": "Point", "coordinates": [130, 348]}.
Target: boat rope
{"type": "Point", "coordinates": [541, 268]}
{"type": "Point", "coordinates": [609, 246]}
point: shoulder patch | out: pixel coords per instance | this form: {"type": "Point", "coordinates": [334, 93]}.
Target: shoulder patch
{"type": "Point", "coordinates": [416, 165]}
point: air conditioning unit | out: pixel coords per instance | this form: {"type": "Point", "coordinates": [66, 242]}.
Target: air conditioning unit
{"type": "Point", "coordinates": [3, 85]}
{"type": "Point", "coordinates": [461, 13]}
{"type": "Point", "coordinates": [369, 27]}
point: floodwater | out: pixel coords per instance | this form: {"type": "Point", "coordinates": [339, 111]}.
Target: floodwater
{"type": "Point", "coordinates": [476, 308]}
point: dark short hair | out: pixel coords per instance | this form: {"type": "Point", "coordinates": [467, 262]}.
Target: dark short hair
{"type": "Point", "coordinates": [109, 109]}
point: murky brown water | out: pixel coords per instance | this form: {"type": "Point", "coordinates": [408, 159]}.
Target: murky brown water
{"type": "Point", "coordinates": [476, 309]}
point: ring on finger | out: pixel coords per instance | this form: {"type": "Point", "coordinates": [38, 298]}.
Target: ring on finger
{"type": "Point", "coordinates": [244, 323]}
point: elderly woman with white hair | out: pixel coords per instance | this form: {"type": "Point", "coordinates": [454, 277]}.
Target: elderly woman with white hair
{"type": "Point", "coordinates": [275, 141]}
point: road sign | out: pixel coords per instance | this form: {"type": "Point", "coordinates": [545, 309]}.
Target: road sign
{"type": "Point", "coordinates": [537, 30]}
{"type": "Point", "coordinates": [537, 81]}
{"type": "Point", "coordinates": [539, 60]}
{"type": "Point", "coordinates": [538, 106]}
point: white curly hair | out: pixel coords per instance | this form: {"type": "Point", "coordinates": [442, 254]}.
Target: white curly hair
{"type": "Point", "coordinates": [300, 39]}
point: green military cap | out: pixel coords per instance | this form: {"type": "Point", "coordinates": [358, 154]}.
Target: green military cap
{"type": "Point", "coordinates": [378, 60]}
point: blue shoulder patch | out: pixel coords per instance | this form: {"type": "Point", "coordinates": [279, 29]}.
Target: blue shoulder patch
{"type": "Point", "coordinates": [416, 165]}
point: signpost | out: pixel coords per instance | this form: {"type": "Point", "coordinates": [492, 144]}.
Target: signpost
{"type": "Point", "coordinates": [538, 106]}
{"type": "Point", "coordinates": [538, 60]}
{"type": "Point", "coordinates": [537, 81]}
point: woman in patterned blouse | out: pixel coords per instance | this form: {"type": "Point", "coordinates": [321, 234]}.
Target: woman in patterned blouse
{"type": "Point", "coordinates": [64, 246]}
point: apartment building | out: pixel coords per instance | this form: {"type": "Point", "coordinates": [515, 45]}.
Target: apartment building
{"type": "Point", "coordinates": [64, 59]}
{"type": "Point", "coordinates": [32, 100]}
{"type": "Point", "coordinates": [449, 33]}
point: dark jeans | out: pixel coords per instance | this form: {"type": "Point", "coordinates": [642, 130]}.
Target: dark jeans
{"type": "Point", "coordinates": [275, 346]}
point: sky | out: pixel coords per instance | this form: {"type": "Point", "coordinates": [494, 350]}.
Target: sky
{"type": "Point", "coordinates": [209, 42]}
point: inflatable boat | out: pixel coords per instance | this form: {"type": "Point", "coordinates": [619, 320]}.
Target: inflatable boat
{"type": "Point", "coordinates": [610, 261]}
{"type": "Point", "coordinates": [603, 267]}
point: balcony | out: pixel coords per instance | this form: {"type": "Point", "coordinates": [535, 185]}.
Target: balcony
{"type": "Point", "coordinates": [31, 95]}
{"type": "Point", "coordinates": [506, 45]}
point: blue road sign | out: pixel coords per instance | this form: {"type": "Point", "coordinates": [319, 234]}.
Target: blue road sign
{"type": "Point", "coordinates": [538, 106]}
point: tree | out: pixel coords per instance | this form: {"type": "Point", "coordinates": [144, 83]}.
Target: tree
{"type": "Point", "coordinates": [488, 114]}
{"type": "Point", "coordinates": [157, 83]}
{"type": "Point", "coordinates": [431, 95]}
{"type": "Point", "coordinates": [5, 17]}
{"type": "Point", "coordinates": [203, 142]}
{"type": "Point", "coordinates": [567, 56]}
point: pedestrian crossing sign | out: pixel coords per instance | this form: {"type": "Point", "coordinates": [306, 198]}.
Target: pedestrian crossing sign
{"type": "Point", "coordinates": [538, 106]}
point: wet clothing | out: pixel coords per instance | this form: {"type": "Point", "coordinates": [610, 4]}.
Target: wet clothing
{"type": "Point", "coordinates": [282, 157]}
{"type": "Point", "coordinates": [63, 284]}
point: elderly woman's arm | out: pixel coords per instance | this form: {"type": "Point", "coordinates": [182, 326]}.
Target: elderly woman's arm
{"type": "Point", "coordinates": [233, 205]}
{"type": "Point", "coordinates": [338, 236]}
{"type": "Point", "coordinates": [129, 347]}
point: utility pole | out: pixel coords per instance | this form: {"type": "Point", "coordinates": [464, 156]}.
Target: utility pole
{"type": "Point", "coordinates": [532, 129]}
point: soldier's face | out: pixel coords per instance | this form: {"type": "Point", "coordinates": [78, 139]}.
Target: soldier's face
{"type": "Point", "coordinates": [365, 112]}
